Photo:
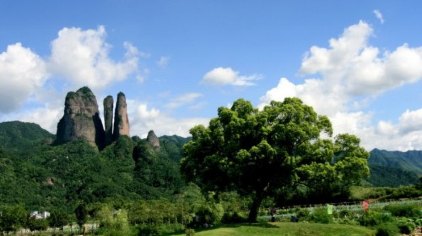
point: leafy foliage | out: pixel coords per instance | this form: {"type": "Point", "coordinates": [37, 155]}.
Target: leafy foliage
{"type": "Point", "coordinates": [12, 217]}
{"type": "Point", "coordinates": [59, 178]}
{"type": "Point", "coordinates": [273, 151]}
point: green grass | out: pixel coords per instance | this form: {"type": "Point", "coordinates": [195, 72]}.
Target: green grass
{"type": "Point", "coordinates": [287, 229]}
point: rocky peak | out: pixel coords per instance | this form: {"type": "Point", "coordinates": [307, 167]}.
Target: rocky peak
{"type": "Point", "coordinates": [121, 120]}
{"type": "Point", "coordinates": [81, 119]}
{"type": "Point", "coordinates": [153, 140]}
{"type": "Point", "coordinates": [108, 119]}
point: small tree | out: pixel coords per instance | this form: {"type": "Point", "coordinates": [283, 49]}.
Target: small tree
{"type": "Point", "coordinates": [12, 218]}
{"type": "Point", "coordinates": [257, 153]}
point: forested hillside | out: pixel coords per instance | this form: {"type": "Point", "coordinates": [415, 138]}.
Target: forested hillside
{"type": "Point", "coordinates": [43, 176]}
{"type": "Point", "coordinates": [17, 136]}
{"type": "Point", "coordinates": [394, 168]}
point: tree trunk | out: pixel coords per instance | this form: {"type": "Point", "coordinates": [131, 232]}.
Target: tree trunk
{"type": "Point", "coordinates": [253, 213]}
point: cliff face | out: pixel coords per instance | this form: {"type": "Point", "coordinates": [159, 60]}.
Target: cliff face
{"type": "Point", "coordinates": [121, 120]}
{"type": "Point", "coordinates": [153, 140]}
{"type": "Point", "coordinates": [108, 119]}
{"type": "Point", "coordinates": [81, 119]}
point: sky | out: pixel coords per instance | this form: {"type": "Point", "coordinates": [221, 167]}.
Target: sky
{"type": "Point", "coordinates": [177, 61]}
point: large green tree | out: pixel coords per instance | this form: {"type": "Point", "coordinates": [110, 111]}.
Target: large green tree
{"type": "Point", "coordinates": [259, 152]}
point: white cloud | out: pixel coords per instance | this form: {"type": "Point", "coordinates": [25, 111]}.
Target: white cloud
{"type": "Point", "coordinates": [228, 76]}
{"type": "Point", "coordinates": [82, 57]}
{"type": "Point", "coordinates": [46, 117]}
{"type": "Point", "coordinates": [379, 16]}
{"type": "Point", "coordinates": [183, 100]}
{"type": "Point", "coordinates": [410, 121]}
{"type": "Point", "coordinates": [143, 119]}
{"type": "Point", "coordinates": [163, 62]}
{"type": "Point", "coordinates": [22, 73]}
{"type": "Point", "coordinates": [348, 74]}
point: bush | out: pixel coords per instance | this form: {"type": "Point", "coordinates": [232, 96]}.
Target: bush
{"type": "Point", "coordinates": [389, 229]}
{"type": "Point", "coordinates": [302, 214]}
{"type": "Point", "coordinates": [37, 224]}
{"type": "Point", "coordinates": [375, 218]}
{"type": "Point", "coordinates": [405, 192]}
{"type": "Point", "coordinates": [208, 215]}
{"type": "Point", "coordinates": [320, 215]}
{"type": "Point", "coordinates": [190, 232]}
{"type": "Point", "coordinates": [232, 218]}
{"type": "Point", "coordinates": [405, 225]}
{"type": "Point", "coordinates": [149, 230]}
{"type": "Point", "coordinates": [404, 210]}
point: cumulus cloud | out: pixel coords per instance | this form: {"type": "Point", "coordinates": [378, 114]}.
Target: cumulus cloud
{"type": "Point", "coordinates": [228, 76]}
{"type": "Point", "coordinates": [379, 15]}
{"type": "Point", "coordinates": [142, 119]}
{"type": "Point", "coordinates": [182, 100]}
{"type": "Point", "coordinates": [22, 73]}
{"type": "Point", "coordinates": [79, 56]}
{"type": "Point", "coordinates": [348, 73]}
{"type": "Point", "coordinates": [82, 57]}
{"type": "Point", "coordinates": [46, 117]}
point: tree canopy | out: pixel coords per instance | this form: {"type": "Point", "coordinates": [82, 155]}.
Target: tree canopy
{"type": "Point", "coordinates": [261, 152]}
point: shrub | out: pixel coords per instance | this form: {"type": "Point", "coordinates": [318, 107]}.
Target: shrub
{"type": "Point", "coordinates": [37, 224]}
{"type": "Point", "coordinates": [418, 222]}
{"type": "Point", "coordinates": [232, 217]}
{"type": "Point", "coordinates": [404, 210]}
{"type": "Point", "coordinates": [302, 214]}
{"type": "Point", "coordinates": [405, 192]}
{"type": "Point", "coordinates": [190, 232]}
{"type": "Point", "coordinates": [208, 215]}
{"type": "Point", "coordinates": [320, 215]}
{"type": "Point", "coordinates": [405, 225]}
{"type": "Point", "coordinates": [389, 229]}
{"type": "Point", "coordinates": [148, 230]}
{"type": "Point", "coordinates": [375, 218]}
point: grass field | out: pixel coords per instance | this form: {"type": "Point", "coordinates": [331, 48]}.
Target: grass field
{"type": "Point", "coordinates": [287, 229]}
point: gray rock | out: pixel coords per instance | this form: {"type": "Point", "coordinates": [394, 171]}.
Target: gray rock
{"type": "Point", "coordinates": [81, 119]}
{"type": "Point", "coordinates": [153, 140]}
{"type": "Point", "coordinates": [121, 120]}
{"type": "Point", "coordinates": [108, 119]}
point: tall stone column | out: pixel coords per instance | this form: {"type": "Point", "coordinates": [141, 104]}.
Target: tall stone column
{"type": "Point", "coordinates": [108, 119]}
{"type": "Point", "coordinates": [121, 120]}
{"type": "Point", "coordinates": [81, 119]}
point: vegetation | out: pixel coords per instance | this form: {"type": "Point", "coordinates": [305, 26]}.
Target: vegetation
{"type": "Point", "coordinates": [22, 137]}
{"type": "Point", "coordinates": [284, 228]}
{"type": "Point", "coordinates": [393, 168]}
{"type": "Point", "coordinates": [282, 149]}
{"type": "Point", "coordinates": [384, 193]}
{"type": "Point", "coordinates": [246, 159]}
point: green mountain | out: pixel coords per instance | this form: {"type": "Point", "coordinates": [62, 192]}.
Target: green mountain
{"type": "Point", "coordinates": [173, 146]}
{"type": "Point", "coordinates": [17, 136]}
{"type": "Point", "coordinates": [44, 176]}
{"type": "Point", "coordinates": [394, 168]}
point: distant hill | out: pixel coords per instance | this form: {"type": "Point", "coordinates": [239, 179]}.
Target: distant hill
{"type": "Point", "coordinates": [394, 168]}
{"type": "Point", "coordinates": [173, 146]}
{"type": "Point", "coordinates": [18, 136]}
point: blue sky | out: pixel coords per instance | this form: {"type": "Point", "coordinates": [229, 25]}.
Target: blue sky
{"type": "Point", "coordinates": [359, 62]}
